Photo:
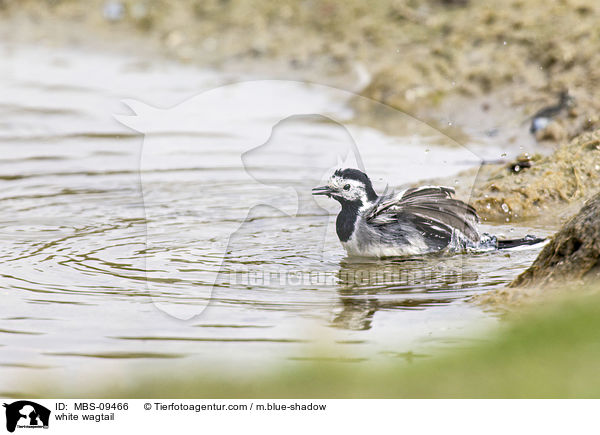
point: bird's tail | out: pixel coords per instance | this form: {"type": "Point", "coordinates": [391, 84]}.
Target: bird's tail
{"type": "Point", "coordinates": [513, 243]}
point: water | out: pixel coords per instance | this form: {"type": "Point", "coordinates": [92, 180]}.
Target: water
{"type": "Point", "coordinates": [199, 241]}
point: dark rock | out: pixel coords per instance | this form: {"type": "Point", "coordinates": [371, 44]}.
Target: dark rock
{"type": "Point", "coordinates": [573, 254]}
{"type": "Point", "coordinates": [522, 161]}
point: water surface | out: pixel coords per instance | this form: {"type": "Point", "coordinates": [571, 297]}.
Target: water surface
{"type": "Point", "coordinates": [198, 241]}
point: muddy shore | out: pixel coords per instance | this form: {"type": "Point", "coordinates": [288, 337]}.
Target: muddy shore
{"type": "Point", "coordinates": [416, 53]}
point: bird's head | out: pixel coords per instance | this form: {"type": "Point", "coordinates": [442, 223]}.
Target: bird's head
{"type": "Point", "coordinates": [348, 186]}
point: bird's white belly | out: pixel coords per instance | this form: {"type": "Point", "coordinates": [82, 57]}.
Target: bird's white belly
{"type": "Point", "coordinates": [354, 249]}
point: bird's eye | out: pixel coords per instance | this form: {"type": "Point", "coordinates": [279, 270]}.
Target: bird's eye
{"type": "Point", "coordinates": [347, 187]}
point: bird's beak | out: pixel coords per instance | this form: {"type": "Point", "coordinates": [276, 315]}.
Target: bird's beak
{"type": "Point", "coordinates": [322, 190]}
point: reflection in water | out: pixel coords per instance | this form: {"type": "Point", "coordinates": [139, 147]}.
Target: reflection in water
{"type": "Point", "coordinates": [368, 286]}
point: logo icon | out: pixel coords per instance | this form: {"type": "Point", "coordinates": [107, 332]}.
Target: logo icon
{"type": "Point", "coordinates": [26, 414]}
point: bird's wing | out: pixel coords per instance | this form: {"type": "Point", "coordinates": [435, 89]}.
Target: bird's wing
{"type": "Point", "coordinates": [431, 209]}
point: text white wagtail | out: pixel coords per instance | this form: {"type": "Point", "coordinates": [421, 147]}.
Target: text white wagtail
{"type": "Point", "coordinates": [417, 221]}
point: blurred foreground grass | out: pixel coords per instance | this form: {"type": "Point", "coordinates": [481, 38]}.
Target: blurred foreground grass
{"type": "Point", "coordinates": [553, 351]}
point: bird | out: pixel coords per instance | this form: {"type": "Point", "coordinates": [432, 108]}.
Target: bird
{"type": "Point", "coordinates": [416, 221]}
{"type": "Point", "coordinates": [543, 117]}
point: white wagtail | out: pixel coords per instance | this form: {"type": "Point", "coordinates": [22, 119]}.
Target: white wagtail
{"type": "Point", "coordinates": [542, 117]}
{"type": "Point", "coordinates": [417, 221]}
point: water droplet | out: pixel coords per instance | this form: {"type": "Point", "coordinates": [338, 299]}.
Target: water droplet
{"type": "Point", "coordinates": [505, 208]}
{"type": "Point", "coordinates": [517, 168]}
{"type": "Point", "coordinates": [597, 167]}
{"type": "Point", "coordinates": [507, 219]}
{"type": "Point", "coordinates": [449, 123]}
{"type": "Point", "coordinates": [504, 43]}
{"type": "Point", "coordinates": [488, 206]}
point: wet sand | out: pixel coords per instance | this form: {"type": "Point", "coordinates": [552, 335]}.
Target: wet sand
{"type": "Point", "coordinates": [416, 53]}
